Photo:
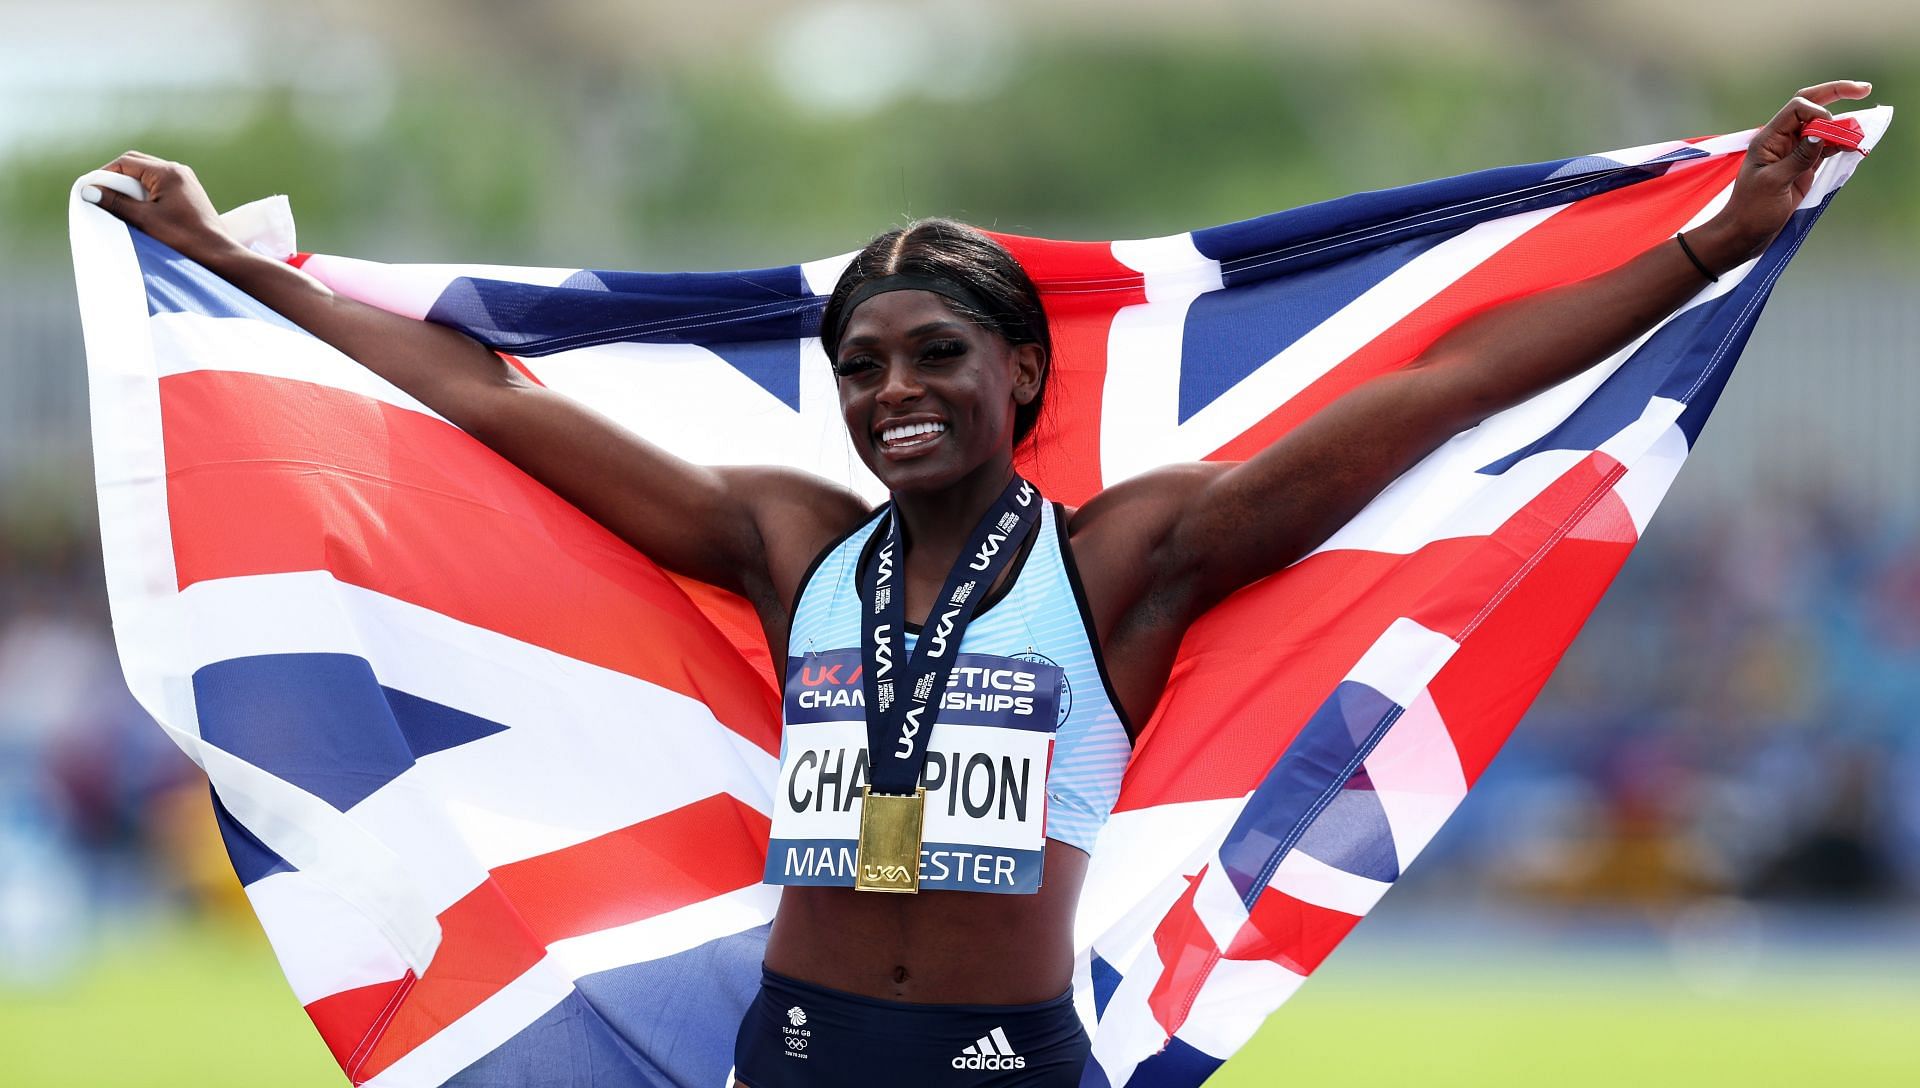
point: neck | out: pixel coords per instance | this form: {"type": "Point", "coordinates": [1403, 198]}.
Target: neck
{"type": "Point", "coordinates": [937, 524]}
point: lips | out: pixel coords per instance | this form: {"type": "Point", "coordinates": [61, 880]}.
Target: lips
{"type": "Point", "coordinates": [901, 435]}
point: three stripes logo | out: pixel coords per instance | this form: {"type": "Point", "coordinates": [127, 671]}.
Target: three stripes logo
{"type": "Point", "coordinates": [990, 1051]}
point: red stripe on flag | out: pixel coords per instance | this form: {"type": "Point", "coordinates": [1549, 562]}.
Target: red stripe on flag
{"type": "Point", "coordinates": [1279, 929]}
{"type": "Point", "coordinates": [1582, 240]}
{"type": "Point", "coordinates": [1082, 286]}
{"type": "Point", "coordinates": [733, 617]}
{"type": "Point", "coordinates": [1294, 934]}
{"type": "Point", "coordinates": [1270, 655]}
{"type": "Point", "coordinates": [521, 367]}
{"type": "Point", "coordinates": [267, 475]}
{"type": "Point", "coordinates": [350, 1018]}
{"type": "Point", "coordinates": [500, 929]}
{"type": "Point", "coordinates": [691, 854]}
{"type": "Point", "coordinates": [1487, 686]}
{"type": "Point", "coordinates": [1187, 953]}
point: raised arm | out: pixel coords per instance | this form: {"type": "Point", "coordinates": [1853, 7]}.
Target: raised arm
{"type": "Point", "coordinates": [1169, 544]}
{"type": "Point", "coordinates": [750, 530]}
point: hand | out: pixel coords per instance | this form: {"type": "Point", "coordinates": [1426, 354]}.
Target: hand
{"type": "Point", "coordinates": [1775, 176]}
{"type": "Point", "coordinates": [176, 211]}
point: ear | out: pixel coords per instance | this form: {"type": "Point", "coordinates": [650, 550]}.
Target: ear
{"type": "Point", "coordinates": [1029, 372]}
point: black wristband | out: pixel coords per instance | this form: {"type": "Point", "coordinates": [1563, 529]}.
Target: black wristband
{"type": "Point", "coordinates": [1695, 258]}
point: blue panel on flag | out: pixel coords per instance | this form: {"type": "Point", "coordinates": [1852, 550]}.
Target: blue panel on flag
{"type": "Point", "coordinates": [756, 320]}
{"type": "Point", "coordinates": [323, 722]}
{"type": "Point", "coordinates": [1105, 981]}
{"type": "Point", "coordinates": [773, 364]}
{"type": "Point", "coordinates": [1688, 359]}
{"type": "Point", "coordinates": [1703, 392]}
{"type": "Point", "coordinates": [178, 285]}
{"type": "Point", "coordinates": [662, 1023]}
{"type": "Point", "coordinates": [433, 727]}
{"type": "Point", "coordinates": [570, 1046]}
{"type": "Point", "coordinates": [1351, 834]}
{"type": "Point", "coordinates": [1286, 242]}
{"type": "Point", "coordinates": [1588, 164]}
{"type": "Point", "coordinates": [251, 859]}
{"type": "Point", "coordinates": [1328, 749]}
{"type": "Point", "coordinates": [1229, 334]}
{"type": "Point", "coordinates": [1181, 1064]}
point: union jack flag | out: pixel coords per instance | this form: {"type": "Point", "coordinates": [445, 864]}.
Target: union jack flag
{"type": "Point", "coordinates": [498, 786]}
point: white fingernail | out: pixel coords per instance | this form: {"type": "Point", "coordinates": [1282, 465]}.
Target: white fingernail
{"type": "Point", "coordinates": [90, 194]}
{"type": "Point", "coordinates": [1813, 139]}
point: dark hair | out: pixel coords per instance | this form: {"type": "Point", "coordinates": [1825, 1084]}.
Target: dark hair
{"type": "Point", "coordinates": [947, 249]}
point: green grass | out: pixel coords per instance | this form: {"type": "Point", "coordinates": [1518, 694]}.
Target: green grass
{"type": "Point", "coordinates": [169, 1007]}
{"type": "Point", "coordinates": [206, 1007]}
{"type": "Point", "coordinates": [1578, 1023]}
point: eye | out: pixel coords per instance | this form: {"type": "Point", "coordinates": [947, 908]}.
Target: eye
{"type": "Point", "coordinates": [939, 350]}
{"type": "Point", "coordinates": [852, 365]}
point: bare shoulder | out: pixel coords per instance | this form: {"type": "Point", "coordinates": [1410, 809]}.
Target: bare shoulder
{"type": "Point", "coordinates": [1124, 537]}
{"type": "Point", "coordinates": [797, 514]}
{"type": "Point", "coordinates": [1144, 508]}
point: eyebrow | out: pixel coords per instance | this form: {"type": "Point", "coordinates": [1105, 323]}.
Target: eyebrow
{"type": "Point", "coordinates": [915, 332]}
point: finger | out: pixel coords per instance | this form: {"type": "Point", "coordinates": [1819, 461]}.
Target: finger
{"type": "Point", "coordinates": [1822, 93]}
{"type": "Point", "coordinates": [119, 204]}
{"type": "Point", "coordinates": [126, 184]}
{"type": "Point", "coordinates": [132, 162]}
{"type": "Point", "coordinates": [1807, 153]}
{"type": "Point", "coordinates": [1796, 113]}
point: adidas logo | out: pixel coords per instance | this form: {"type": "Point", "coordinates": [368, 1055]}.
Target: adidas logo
{"type": "Point", "coordinates": [990, 1051]}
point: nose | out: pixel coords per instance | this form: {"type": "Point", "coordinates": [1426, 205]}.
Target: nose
{"type": "Point", "coordinates": [899, 384]}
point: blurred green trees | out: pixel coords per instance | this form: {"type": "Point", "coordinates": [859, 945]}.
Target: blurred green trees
{"type": "Point", "coordinates": [713, 166]}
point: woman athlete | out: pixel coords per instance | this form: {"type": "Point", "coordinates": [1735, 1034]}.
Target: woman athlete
{"type": "Point", "coordinates": [940, 352]}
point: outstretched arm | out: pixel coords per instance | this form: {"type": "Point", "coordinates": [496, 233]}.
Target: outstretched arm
{"type": "Point", "coordinates": [1173, 543]}
{"type": "Point", "coordinates": [750, 530]}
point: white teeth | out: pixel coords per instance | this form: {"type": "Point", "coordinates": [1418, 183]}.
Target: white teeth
{"type": "Point", "coordinates": [910, 430]}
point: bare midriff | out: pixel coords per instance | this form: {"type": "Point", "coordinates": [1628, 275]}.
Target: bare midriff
{"type": "Point", "coordinates": [936, 947]}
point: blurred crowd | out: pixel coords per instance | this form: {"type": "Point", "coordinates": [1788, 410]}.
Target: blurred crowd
{"type": "Point", "coordinates": [1736, 721]}
{"type": "Point", "coordinates": [101, 816]}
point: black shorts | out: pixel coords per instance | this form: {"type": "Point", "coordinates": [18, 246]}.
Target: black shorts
{"type": "Point", "coordinates": [798, 1035]}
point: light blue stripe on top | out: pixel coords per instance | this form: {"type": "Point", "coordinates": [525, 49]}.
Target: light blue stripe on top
{"type": "Point", "coordinates": [1039, 616]}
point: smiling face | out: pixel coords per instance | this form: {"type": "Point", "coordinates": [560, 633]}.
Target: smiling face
{"type": "Point", "coordinates": [927, 395]}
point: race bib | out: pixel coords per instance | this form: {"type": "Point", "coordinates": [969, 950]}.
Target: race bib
{"type": "Point", "coordinates": [985, 777]}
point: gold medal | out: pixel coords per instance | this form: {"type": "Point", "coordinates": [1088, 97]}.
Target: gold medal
{"type": "Point", "coordinates": [889, 856]}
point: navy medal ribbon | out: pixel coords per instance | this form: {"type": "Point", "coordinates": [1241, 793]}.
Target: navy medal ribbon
{"type": "Point", "coordinates": [903, 695]}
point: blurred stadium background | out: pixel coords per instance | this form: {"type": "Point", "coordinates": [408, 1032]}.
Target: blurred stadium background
{"type": "Point", "coordinates": [1698, 862]}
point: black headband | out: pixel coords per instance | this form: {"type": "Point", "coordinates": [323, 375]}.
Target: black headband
{"type": "Point", "coordinates": [952, 290]}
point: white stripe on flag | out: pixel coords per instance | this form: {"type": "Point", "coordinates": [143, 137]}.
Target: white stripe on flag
{"type": "Point", "coordinates": [1313, 881]}
{"type": "Point", "coordinates": [666, 934]}
{"type": "Point", "coordinates": [1417, 778]}
{"type": "Point", "coordinates": [1402, 660]}
{"type": "Point", "coordinates": [586, 750]}
{"type": "Point", "coordinates": [1649, 477]}
{"type": "Point", "coordinates": [323, 943]}
{"type": "Point", "coordinates": [185, 343]}
{"type": "Point", "coordinates": [412, 289]}
{"type": "Point", "coordinates": [1143, 356]}
{"type": "Point", "coordinates": [1175, 270]}
{"type": "Point", "coordinates": [760, 429]}
{"type": "Point", "coordinates": [1145, 854]}
{"type": "Point", "coordinates": [505, 1013]}
{"type": "Point", "coordinates": [1235, 1000]}
{"type": "Point", "coordinates": [1217, 904]}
